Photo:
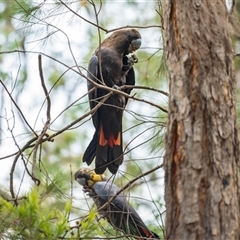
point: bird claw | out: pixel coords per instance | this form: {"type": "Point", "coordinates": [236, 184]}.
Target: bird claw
{"type": "Point", "coordinates": [128, 61]}
{"type": "Point", "coordinates": [89, 192]}
{"type": "Point", "coordinates": [132, 58]}
{"type": "Point", "coordinates": [116, 87]}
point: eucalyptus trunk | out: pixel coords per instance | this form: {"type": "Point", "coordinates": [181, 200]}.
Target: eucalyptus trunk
{"type": "Point", "coordinates": [202, 148]}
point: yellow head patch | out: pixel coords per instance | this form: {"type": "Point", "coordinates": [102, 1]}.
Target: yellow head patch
{"type": "Point", "coordinates": [88, 177]}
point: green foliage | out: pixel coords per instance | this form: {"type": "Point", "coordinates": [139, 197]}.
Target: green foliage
{"type": "Point", "coordinates": [89, 226]}
{"type": "Point", "coordinates": [31, 219]}
{"type": "Point", "coordinates": [35, 217]}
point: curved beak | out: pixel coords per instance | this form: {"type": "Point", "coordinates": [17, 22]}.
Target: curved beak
{"type": "Point", "coordinates": [81, 181]}
{"type": "Point", "coordinates": [136, 44]}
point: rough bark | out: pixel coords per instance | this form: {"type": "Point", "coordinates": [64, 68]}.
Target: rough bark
{"type": "Point", "coordinates": [202, 148]}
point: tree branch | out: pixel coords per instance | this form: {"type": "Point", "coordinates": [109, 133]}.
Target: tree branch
{"type": "Point", "coordinates": [128, 185]}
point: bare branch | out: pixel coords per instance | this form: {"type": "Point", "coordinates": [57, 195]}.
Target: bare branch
{"type": "Point", "coordinates": [15, 104]}
{"type": "Point", "coordinates": [128, 185]}
{"type": "Point", "coordinates": [47, 123]}
{"type": "Point", "coordinates": [75, 13]}
{"type": "Point", "coordinates": [145, 88]}
{"type": "Point", "coordinates": [134, 26]}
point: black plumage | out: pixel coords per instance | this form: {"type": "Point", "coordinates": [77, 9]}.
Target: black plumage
{"type": "Point", "coordinates": [112, 66]}
{"type": "Point", "coordinates": [119, 213]}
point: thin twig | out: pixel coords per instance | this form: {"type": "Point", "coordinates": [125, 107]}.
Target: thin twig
{"type": "Point", "coordinates": [49, 138]}
{"type": "Point", "coordinates": [111, 91]}
{"type": "Point", "coordinates": [53, 26]}
{"type": "Point", "coordinates": [99, 46]}
{"type": "Point", "coordinates": [145, 88]}
{"type": "Point", "coordinates": [134, 26]}
{"type": "Point", "coordinates": [94, 82]}
{"type": "Point", "coordinates": [127, 185]}
{"type": "Point", "coordinates": [47, 123]}
{"type": "Point", "coordinates": [15, 104]}
{"type": "Point", "coordinates": [14, 162]}
{"type": "Point", "coordinates": [26, 146]}
{"type": "Point", "coordinates": [75, 13]}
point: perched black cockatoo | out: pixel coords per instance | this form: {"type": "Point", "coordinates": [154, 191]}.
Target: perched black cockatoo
{"type": "Point", "coordinates": [110, 65]}
{"type": "Point", "coordinates": [119, 213]}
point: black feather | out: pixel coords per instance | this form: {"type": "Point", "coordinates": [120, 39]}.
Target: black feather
{"type": "Point", "coordinates": [111, 67]}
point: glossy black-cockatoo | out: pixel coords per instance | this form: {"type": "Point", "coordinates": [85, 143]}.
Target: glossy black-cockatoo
{"type": "Point", "coordinates": [119, 213]}
{"type": "Point", "coordinates": [111, 65]}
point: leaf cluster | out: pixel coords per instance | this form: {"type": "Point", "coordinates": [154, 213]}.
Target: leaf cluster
{"type": "Point", "coordinates": [32, 219]}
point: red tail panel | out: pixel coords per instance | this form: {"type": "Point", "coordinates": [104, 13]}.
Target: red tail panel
{"type": "Point", "coordinates": [111, 141]}
{"type": "Point", "coordinates": [147, 233]}
{"type": "Point", "coordinates": [102, 140]}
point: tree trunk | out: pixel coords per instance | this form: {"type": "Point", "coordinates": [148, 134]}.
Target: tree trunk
{"type": "Point", "coordinates": [202, 148]}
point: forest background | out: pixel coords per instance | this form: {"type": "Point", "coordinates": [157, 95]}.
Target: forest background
{"type": "Point", "coordinates": [45, 124]}
{"type": "Point", "coordinates": [37, 172]}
